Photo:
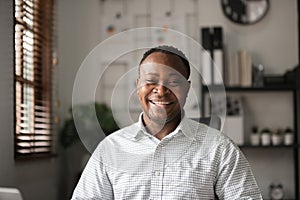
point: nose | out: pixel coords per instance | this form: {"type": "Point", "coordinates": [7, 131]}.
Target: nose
{"type": "Point", "coordinates": [161, 89]}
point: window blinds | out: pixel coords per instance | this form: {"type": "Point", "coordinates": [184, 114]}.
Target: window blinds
{"type": "Point", "coordinates": [33, 31]}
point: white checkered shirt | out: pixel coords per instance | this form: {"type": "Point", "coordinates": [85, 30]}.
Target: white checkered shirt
{"type": "Point", "coordinates": [192, 162]}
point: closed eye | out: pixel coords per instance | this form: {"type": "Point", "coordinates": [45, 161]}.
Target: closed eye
{"type": "Point", "coordinates": [174, 83]}
{"type": "Point", "coordinates": [151, 81]}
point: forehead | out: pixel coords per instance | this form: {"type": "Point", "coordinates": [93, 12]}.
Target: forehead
{"type": "Point", "coordinates": [163, 62]}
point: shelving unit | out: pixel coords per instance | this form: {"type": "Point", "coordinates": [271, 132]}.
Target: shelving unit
{"type": "Point", "coordinates": [269, 146]}
{"type": "Point", "coordinates": [294, 89]}
{"type": "Point", "coordinates": [268, 88]}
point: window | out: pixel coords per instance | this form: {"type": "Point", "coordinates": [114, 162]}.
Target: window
{"type": "Point", "coordinates": [33, 61]}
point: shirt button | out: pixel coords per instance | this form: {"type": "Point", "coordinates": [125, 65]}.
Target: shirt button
{"type": "Point", "coordinates": [156, 172]}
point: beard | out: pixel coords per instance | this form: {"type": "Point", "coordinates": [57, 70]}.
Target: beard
{"type": "Point", "coordinates": [161, 117]}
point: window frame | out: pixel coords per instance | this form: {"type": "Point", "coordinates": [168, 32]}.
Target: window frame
{"type": "Point", "coordinates": [41, 134]}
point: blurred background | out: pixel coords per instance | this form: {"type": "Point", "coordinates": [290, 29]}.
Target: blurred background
{"type": "Point", "coordinates": [250, 46]}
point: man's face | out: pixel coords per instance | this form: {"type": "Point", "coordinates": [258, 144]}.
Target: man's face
{"type": "Point", "coordinates": [162, 87]}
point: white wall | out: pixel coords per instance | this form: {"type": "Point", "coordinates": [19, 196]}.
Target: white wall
{"type": "Point", "coordinates": [37, 179]}
{"type": "Point", "coordinates": [6, 94]}
{"type": "Point", "coordinates": [272, 42]}
{"type": "Point", "coordinates": [78, 34]}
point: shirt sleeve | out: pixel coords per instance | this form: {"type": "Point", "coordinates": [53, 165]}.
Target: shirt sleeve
{"type": "Point", "coordinates": [94, 182]}
{"type": "Point", "coordinates": [235, 179]}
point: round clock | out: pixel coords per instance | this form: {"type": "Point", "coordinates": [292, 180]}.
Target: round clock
{"type": "Point", "coordinates": [276, 191]}
{"type": "Point", "coordinates": [245, 11]}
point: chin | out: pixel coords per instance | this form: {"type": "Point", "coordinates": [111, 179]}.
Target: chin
{"type": "Point", "coordinates": [158, 120]}
{"type": "Point", "coordinates": [165, 119]}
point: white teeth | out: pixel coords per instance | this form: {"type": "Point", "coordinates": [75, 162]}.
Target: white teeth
{"type": "Point", "coordinates": [161, 102]}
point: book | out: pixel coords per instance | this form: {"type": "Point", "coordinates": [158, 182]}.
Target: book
{"type": "Point", "coordinates": [245, 66]}
{"type": "Point", "coordinates": [217, 51]}
{"type": "Point", "coordinates": [207, 76]}
{"type": "Point", "coordinates": [232, 70]}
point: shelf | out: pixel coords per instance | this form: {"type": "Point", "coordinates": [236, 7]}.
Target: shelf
{"type": "Point", "coordinates": [294, 88]}
{"type": "Point", "coordinates": [267, 88]}
{"type": "Point", "coordinates": [269, 147]}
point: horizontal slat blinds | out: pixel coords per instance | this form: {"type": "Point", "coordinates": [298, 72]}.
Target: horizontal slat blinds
{"type": "Point", "coordinates": [33, 30]}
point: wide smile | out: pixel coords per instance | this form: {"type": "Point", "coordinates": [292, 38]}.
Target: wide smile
{"type": "Point", "coordinates": [161, 103]}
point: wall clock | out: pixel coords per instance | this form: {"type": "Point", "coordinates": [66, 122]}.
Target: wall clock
{"type": "Point", "coordinates": [276, 191]}
{"type": "Point", "coordinates": [245, 11]}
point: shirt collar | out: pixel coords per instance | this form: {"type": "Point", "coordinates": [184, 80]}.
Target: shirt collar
{"type": "Point", "coordinates": [138, 131]}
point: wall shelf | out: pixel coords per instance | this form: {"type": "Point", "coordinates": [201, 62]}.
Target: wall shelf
{"type": "Point", "coordinates": [291, 88]}
{"type": "Point", "coordinates": [269, 147]}
{"type": "Point", "coordinates": [267, 88]}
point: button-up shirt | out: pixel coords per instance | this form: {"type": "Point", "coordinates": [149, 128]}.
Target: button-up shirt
{"type": "Point", "coordinates": [192, 162]}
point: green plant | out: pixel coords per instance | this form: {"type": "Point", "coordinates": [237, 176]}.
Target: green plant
{"type": "Point", "coordinates": [278, 132]}
{"type": "Point", "coordinates": [254, 129]}
{"type": "Point", "coordinates": [85, 114]}
{"type": "Point", "coordinates": [266, 130]}
{"type": "Point", "coordinates": [288, 130]}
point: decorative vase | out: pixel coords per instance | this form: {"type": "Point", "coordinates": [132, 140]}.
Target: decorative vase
{"type": "Point", "coordinates": [288, 138]}
{"type": "Point", "coordinates": [276, 139]}
{"type": "Point", "coordinates": [255, 139]}
{"type": "Point", "coordinates": [255, 136]}
{"type": "Point", "coordinates": [265, 138]}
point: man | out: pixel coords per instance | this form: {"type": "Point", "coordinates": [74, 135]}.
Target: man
{"type": "Point", "coordinates": [165, 155]}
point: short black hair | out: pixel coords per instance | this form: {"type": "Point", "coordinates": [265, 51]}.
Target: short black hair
{"type": "Point", "coordinates": [169, 50]}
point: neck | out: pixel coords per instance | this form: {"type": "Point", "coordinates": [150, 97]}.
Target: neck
{"type": "Point", "coordinates": [161, 130]}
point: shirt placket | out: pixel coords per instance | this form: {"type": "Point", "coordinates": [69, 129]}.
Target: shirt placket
{"type": "Point", "coordinates": [157, 173]}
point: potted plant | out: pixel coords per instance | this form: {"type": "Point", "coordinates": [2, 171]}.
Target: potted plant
{"type": "Point", "coordinates": [277, 137]}
{"type": "Point", "coordinates": [288, 136]}
{"type": "Point", "coordinates": [265, 137]}
{"type": "Point", "coordinates": [255, 137]}
{"type": "Point", "coordinates": [69, 133]}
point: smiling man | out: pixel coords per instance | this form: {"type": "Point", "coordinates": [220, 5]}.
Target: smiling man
{"type": "Point", "coordinates": [162, 89]}
{"type": "Point", "coordinates": [165, 155]}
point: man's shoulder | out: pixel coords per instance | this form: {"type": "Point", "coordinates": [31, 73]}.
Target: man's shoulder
{"type": "Point", "coordinates": [120, 136]}
{"type": "Point", "coordinates": [127, 132]}
{"type": "Point", "coordinates": [209, 138]}
{"type": "Point", "coordinates": [201, 131]}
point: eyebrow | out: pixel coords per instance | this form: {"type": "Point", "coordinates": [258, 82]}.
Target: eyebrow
{"type": "Point", "coordinates": [172, 74]}
{"type": "Point", "coordinates": [176, 74]}
{"type": "Point", "coordinates": [152, 73]}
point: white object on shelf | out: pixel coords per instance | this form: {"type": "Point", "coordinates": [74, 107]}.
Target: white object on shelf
{"type": "Point", "coordinates": [206, 67]}
{"type": "Point", "coordinates": [265, 139]}
{"type": "Point", "coordinates": [276, 139]}
{"type": "Point", "coordinates": [218, 66]}
{"type": "Point", "coordinates": [288, 138]}
{"type": "Point", "coordinates": [10, 193]}
{"type": "Point", "coordinates": [232, 69]}
{"type": "Point", "coordinates": [255, 139]}
{"type": "Point", "coordinates": [234, 128]}
{"type": "Point", "coordinates": [245, 64]}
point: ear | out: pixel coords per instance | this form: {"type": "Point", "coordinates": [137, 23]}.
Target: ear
{"type": "Point", "coordinates": [188, 84]}
{"type": "Point", "coordinates": [188, 87]}
{"type": "Point", "coordinates": [137, 82]}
